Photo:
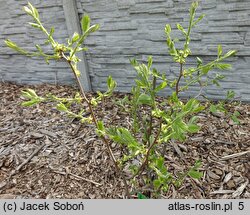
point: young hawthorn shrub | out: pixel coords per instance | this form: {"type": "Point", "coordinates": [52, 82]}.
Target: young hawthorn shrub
{"type": "Point", "coordinates": [154, 123]}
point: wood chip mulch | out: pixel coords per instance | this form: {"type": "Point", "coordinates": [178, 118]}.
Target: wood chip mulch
{"type": "Point", "coordinates": [44, 154]}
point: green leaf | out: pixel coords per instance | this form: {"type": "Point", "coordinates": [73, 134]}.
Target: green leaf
{"type": "Point", "coordinates": [179, 26]}
{"type": "Point", "coordinates": [133, 62]}
{"type": "Point", "coordinates": [144, 99]}
{"type": "Point", "coordinates": [34, 10]}
{"type": "Point", "coordinates": [82, 49]}
{"type": "Point", "coordinates": [219, 51]}
{"type": "Point", "coordinates": [39, 49]}
{"type": "Point", "coordinates": [174, 97]}
{"type": "Point", "coordinates": [198, 109]}
{"type": "Point", "coordinates": [75, 37]}
{"type": "Point", "coordinates": [156, 74]}
{"type": "Point", "coordinates": [52, 30]}
{"type": "Point", "coordinates": [195, 174]}
{"type": "Point", "coordinates": [230, 53]}
{"type": "Point", "coordinates": [100, 126]}
{"type": "Point", "coordinates": [111, 83]}
{"type": "Point", "coordinates": [27, 10]}
{"type": "Point", "coordinates": [234, 117]}
{"type": "Point", "coordinates": [94, 102]}
{"type": "Point", "coordinates": [15, 47]}
{"type": "Point", "coordinates": [141, 196]}
{"type": "Point", "coordinates": [157, 183]}
{"type": "Point", "coordinates": [206, 69]}
{"type": "Point", "coordinates": [92, 29]}
{"type": "Point", "coordinates": [197, 164]}
{"type": "Point", "coordinates": [123, 136]}
{"type": "Point", "coordinates": [223, 66]}
{"type": "Point", "coordinates": [61, 107]}
{"type": "Point", "coordinates": [30, 103]}
{"type": "Point", "coordinates": [179, 129]}
{"type": "Point", "coordinates": [194, 6]}
{"type": "Point", "coordinates": [11, 44]}
{"type": "Point", "coordinates": [32, 92]}
{"type": "Point", "coordinates": [29, 94]}
{"type": "Point", "coordinates": [167, 29]}
{"type": "Point", "coordinates": [213, 109]}
{"type": "Point", "coordinates": [193, 106]}
{"type": "Point", "coordinates": [193, 119]}
{"type": "Point", "coordinates": [219, 76]}
{"type": "Point", "coordinates": [193, 128]}
{"type": "Point", "coordinates": [199, 61]}
{"type": "Point", "coordinates": [216, 83]}
{"type": "Point", "coordinates": [230, 94]}
{"type": "Point", "coordinates": [160, 163]}
{"type": "Point", "coordinates": [26, 95]}
{"type": "Point", "coordinates": [34, 25]}
{"type": "Point", "coordinates": [161, 86]}
{"type": "Point", "coordinates": [150, 61]}
{"type": "Point", "coordinates": [85, 23]}
{"type": "Point", "coordinates": [189, 105]}
{"type": "Point", "coordinates": [198, 20]}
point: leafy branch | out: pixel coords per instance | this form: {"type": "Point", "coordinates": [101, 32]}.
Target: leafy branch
{"type": "Point", "coordinates": [68, 54]}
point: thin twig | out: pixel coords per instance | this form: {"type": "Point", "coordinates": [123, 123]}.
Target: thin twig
{"type": "Point", "coordinates": [222, 192]}
{"type": "Point", "coordinates": [179, 78]}
{"type": "Point", "coordinates": [28, 159]}
{"type": "Point", "coordinates": [118, 170]}
{"type": "Point", "coordinates": [227, 157]}
{"type": "Point", "coordinates": [144, 164]}
{"type": "Point", "coordinates": [149, 133]}
{"type": "Point", "coordinates": [200, 93]}
{"type": "Point", "coordinates": [77, 176]}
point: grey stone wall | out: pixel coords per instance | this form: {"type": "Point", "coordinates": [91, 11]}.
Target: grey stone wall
{"type": "Point", "coordinates": [13, 25]}
{"type": "Point", "coordinates": [132, 28]}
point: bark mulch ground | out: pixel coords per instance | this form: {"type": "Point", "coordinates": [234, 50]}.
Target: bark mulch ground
{"type": "Point", "coordinates": [44, 154]}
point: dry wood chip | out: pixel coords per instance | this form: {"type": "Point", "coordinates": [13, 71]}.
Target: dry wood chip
{"type": "Point", "coordinates": [2, 184]}
{"type": "Point", "coordinates": [49, 133]}
{"type": "Point", "coordinates": [177, 149]}
{"type": "Point", "coordinates": [7, 196]}
{"type": "Point", "coordinates": [239, 191]}
{"type": "Point", "coordinates": [231, 184]}
{"type": "Point", "coordinates": [218, 171]}
{"type": "Point", "coordinates": [225, 142]}
{"type": "Point", "coordinates": [197, 139]}
{"type": "Point", "coordinates": [3, 129]}
{"type": "Point", "coordinates": [213, 175]}
{"type": "Point", "coordinates": [36, 135]}
{"type": "Point", "coordinates": [222, 192]}
{"type": "Point", "coordinates": [183, 147]}
{"type": "Point", "coordinates": [239, 180]}
{"type": "Point", "coordinates": [247, 195]}
{"type": "Point", "coordinates": [228, 177]}
{"type": "Point", "coordinates": [218, 114]}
